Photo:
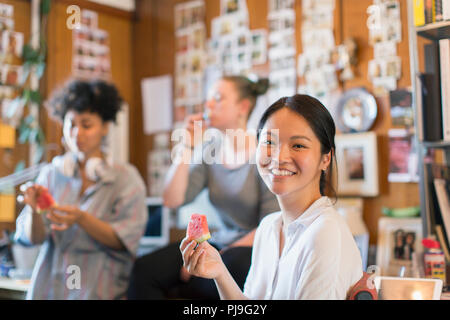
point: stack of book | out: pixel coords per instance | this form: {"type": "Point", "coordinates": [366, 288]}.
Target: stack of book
{"type": "Point", "coordinates": [433, 102]}
{"type": "Point", "coordinates": [439, 181]}
{"type": "Point", "coordinates": [430, 11]}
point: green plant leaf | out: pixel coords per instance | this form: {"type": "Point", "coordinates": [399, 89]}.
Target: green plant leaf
{"type": "Point", "coordinates": [45, 7]}
{"type": "Point", "coordinates": [29, 54]}
{"type": "Point", "coordinates": [35, 96]}
{"type": "Point", "coordinates": [24, 134]}
{"type": "Point", "coordinates": [40, 68]}
{"type": "Point", "coordinates": [14, 106]}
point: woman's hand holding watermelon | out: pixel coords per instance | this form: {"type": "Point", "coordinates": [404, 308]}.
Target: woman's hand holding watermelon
{"type": "Point", "coordinates": [37, 197]}
{"type": "Point", "coordinates": [201, 261]}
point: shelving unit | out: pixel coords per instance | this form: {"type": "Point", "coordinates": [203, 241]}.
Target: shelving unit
{"type": "Point", "coordinates": [434, 32]}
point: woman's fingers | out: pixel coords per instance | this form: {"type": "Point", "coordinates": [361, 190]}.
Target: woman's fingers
{"type": "Point", "coordinates": [187, 252]}
{"type": "Point", "coordinates": [54, 217]}
{"type": "Point", "coordinates": [195, 259]}
{"type": "Point", "coordinates": [184, 243]}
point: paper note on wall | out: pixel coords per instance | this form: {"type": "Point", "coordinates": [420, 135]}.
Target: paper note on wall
{"type": "Point", "coordinates": [7, 136]}
{"type": "Point", "coordinates": [157, 104]}
{"type": "Point", "coordinates": [7, 207]}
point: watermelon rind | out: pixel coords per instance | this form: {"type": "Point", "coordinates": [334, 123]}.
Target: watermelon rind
{"type": "Point", "coordinates": [204, 237]}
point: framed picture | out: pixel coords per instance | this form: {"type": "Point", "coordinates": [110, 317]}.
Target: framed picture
{"type": "Point", "coordinates": [399, 247]}
{"type": "Point", "coordinates": [357, 162]}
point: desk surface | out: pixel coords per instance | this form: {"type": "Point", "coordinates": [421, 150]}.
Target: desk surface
{"type": "Point", "coordinates": [13, 289]}
{"type": "Point", "coordinates": [14, 284]}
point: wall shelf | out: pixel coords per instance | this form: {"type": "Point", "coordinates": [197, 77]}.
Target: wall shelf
{"type": "Point", "coordinates": [436, 144]}
{"type": "Point", "coordinates": [435, 31]}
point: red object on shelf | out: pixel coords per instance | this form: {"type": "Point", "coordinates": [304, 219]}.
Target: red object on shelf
{"type": "Point", "coordinates": [431, 244]}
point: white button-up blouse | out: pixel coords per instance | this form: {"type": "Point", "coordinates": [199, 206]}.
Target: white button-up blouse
{"type": "Point", "coordinates": [320, 259]}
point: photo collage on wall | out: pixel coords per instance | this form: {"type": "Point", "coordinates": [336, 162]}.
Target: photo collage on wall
{"type": "Point", "coordinates": [316, 70]}
{"type": "Point", "coordinates": [190, 59]}
{"type": "Point", "coordinates": [91, 52]}
{"type": "Point", "coordinates": [385, 32]}
{"type": "Point", "coordinates": [282, 49]}
{"type": "Point", "coordinates": [11, 71]}
{"type": "Point", "coordinates": [403, 157]}
{"type": "Point", "coordinates": [233, 47]}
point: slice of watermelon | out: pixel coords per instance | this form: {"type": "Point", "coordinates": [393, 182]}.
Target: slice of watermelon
{"type": "Point", "coordinates": [198, 228]}
{"type": "Point", "coordinates": [44, 200]}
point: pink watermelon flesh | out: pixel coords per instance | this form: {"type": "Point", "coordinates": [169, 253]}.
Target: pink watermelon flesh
{"type": "Point", "coordinates": [45, 200]}
{"type": "Point", "coordinates": [198, 228]}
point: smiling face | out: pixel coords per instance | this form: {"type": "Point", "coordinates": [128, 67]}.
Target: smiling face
{"type": "Point", "coordinates": [289, 157]}
{"type": "Point", "coordinates": [83, 132]}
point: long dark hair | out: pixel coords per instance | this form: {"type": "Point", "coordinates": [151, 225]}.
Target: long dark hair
{"type": "Point", "coordinates": [322, 124]}
{"type": "Point", "coordinates": [96, 96]}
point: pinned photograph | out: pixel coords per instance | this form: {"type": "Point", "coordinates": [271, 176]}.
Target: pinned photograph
{"type": "Point", "coordinates": [403, 165]}
{"type": "Point", "coordinates": [401, 107]}
{"type": "Point", "coordinates": [89, 18]}
{"type": "Point", "coordinates": [6, 24]}
{"type": "Point", "coordinates": [357, 159]}
{"type": "Point", "coordinates": [100, 36]}
{"type": "Point", "coordinates": [384, 49]}
{"type": "Point", "coordinates": [259, 46]}
{"type": "Point", "coordinates": [393, 31]}
{"type": "Point", "coordinates": [7, 92]}
{"type": "Point", "coordinates": [228, 24]}
{"type": "Point", "coordinates": [242, 60]}
{"type": "Point", "coordinates": [230, 6]}
{"type": "Point", "coordinates": [393, 67]}
{"type": "Point", "coordinates": [11, 75]}
{"type": "Point", "coordinates": [6, 10]}
{"type": "Point", "coordinates": [392, 10]}
{"type": "Point", "coordinates": [382, 85]}
{"type": "Point", "coordinates": [376, 68]}
{"type": "Point", "coordinates": [188, 14]}
{"type": "Point", "coordinates": [281, 20]}
{"type": "Point", "coordinates": [196, 39]}
{"type": "Point", "coordinates": [12, 43]}
{"type": "Point", "coordinates": [278, 5]}
{"type": "Point", "coordinates": [354, 164]}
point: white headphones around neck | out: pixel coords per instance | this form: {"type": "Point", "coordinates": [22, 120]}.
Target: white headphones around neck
{"type": "Point", "coordinates": [95, 167]}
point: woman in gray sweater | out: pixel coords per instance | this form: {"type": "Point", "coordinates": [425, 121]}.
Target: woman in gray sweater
{"type": "Point", "coordinates": [223, 162]}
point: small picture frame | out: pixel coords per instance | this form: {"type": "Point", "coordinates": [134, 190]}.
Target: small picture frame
{"type": "Point", "coordinates": [357, 162]}
{"type": "Point", "coordinates": [399, 246]}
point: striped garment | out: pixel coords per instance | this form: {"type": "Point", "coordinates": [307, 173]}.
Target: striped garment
{"type": "Point", "coordinates": [119, 199]}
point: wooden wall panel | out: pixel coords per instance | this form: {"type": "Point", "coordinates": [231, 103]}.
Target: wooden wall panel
{"type": "Point", "coordinates": [119, 27]}
{"type": "Point", "coordinates": [10, 157]}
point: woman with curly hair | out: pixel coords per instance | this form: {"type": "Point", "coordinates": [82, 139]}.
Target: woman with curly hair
{"type": "Point", "coordinates": [90, 237]}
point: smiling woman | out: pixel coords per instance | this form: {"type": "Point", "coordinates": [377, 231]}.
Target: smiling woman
{"type": "Point", "coordinates": [316, 129]}
{"type": "Point", "coordinates": [305, 251]}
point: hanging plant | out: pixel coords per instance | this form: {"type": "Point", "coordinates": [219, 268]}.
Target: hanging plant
{"type": "Point", "coordinates": [34, 63]}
